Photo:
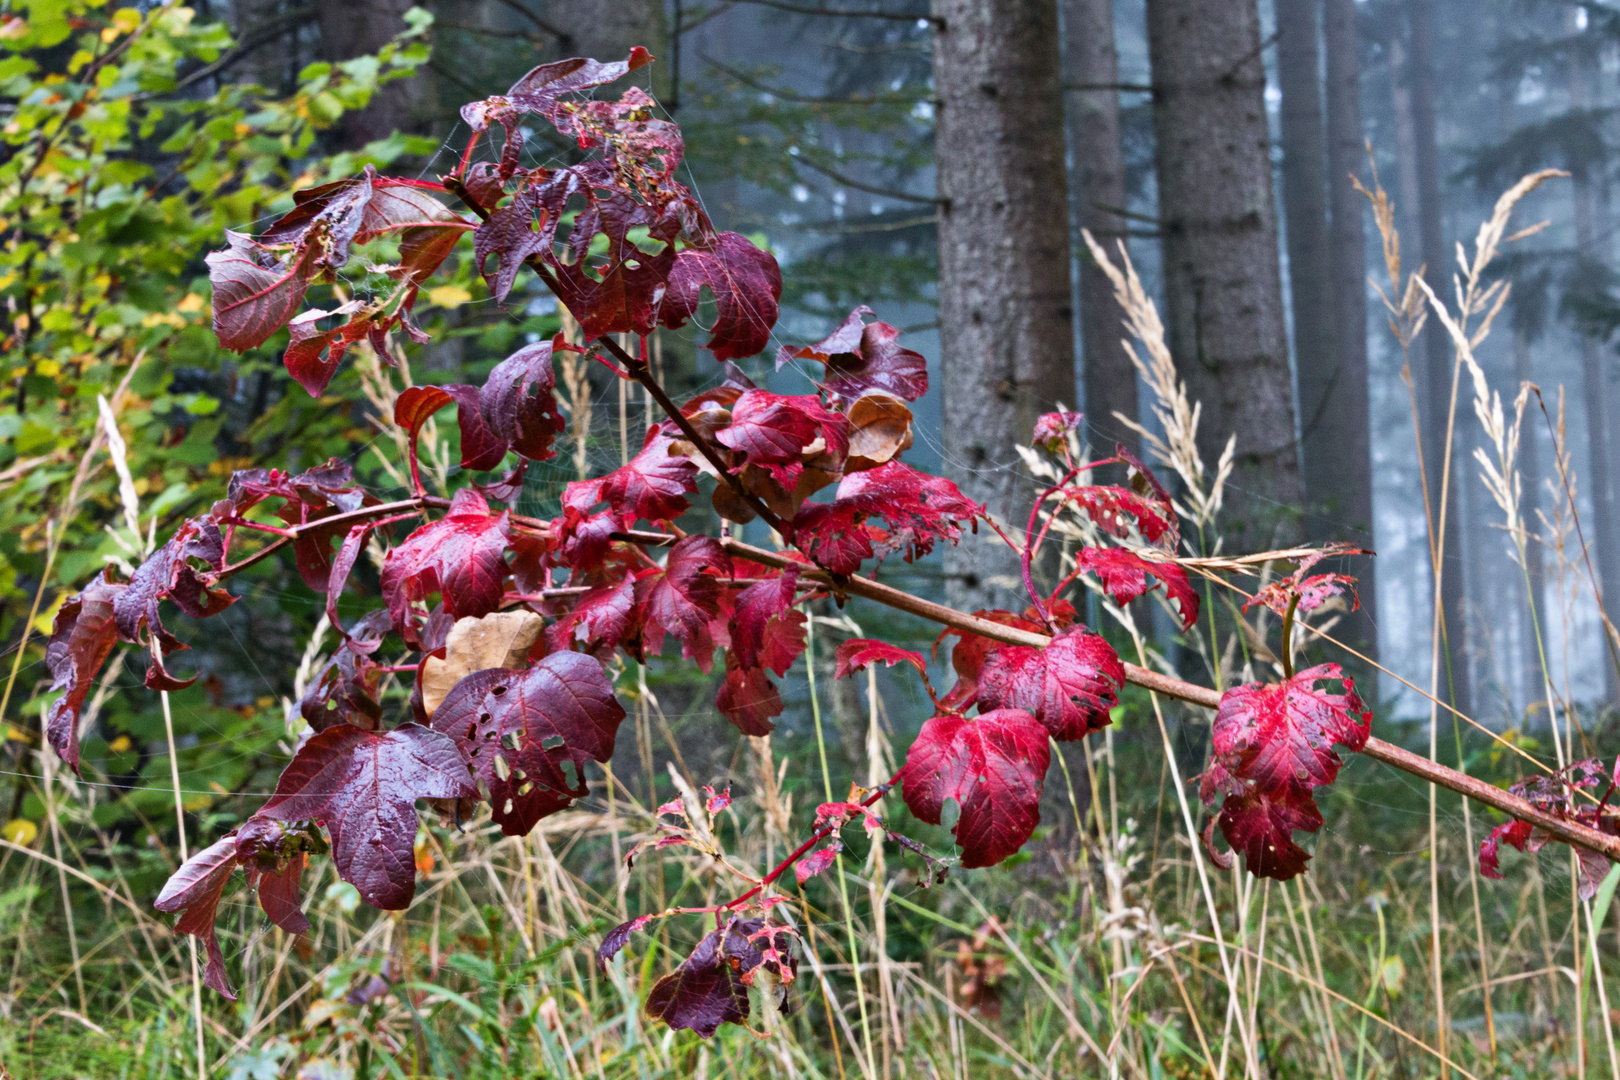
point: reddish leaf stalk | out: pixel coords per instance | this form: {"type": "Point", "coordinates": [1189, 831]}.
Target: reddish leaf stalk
{"type": "Point", "coordinates": [1032, 542]}
{"type": "Point", "coordinates": [803, 849]}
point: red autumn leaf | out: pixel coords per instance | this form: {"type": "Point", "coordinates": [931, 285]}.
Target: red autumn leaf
{"type": "Point", "coordinates": [602, 616]}
{"type": "Point", "coordinates": [255, 292]}
{"type": "Point", "coordinates": [460, 556]}
{"type": "Point", "coordinates": [765, 629]}
{"type": "Point", "coordinates": [363, 786]}
{"type": "Point", "coordinates": [273, 856]}
{"type": "Point", "coordinates": [319, 492]}
{"type": "Point", "coordinates": [858, 654]}
{"type": "Point", "coordinates": [859, 358]}
{"type": "Point", "coordinates": [618, 937]}
{"type": "Point", "coordinates": [747, 288]}
{"type": "Point", "coordinates": [345, 692]}
{"type": "Point", "coordinates": [194, 890]}
{"type": "Point", "coordinates": [1124, 576]}
{"type": "Point", "coordinates": [519, 401]}
{"type": "Point", "coordinates": [1114, 509]}
{"type": "Point", "coordinates": [703, 993]}
{"type": "Point", "coordinates": [1555, 795]}
{"type": "Point", "coordinates": [969, 653]}
{"type": "Point", "coordinates": [481, 448]}
{"type": "Point", "coordinates": [773, 432]}
{"type": "Point", "coordinates": [1271, 747]}
{"type": "Point", "coordinates": [651, 486]}
{"type": "Point", "coordinates": [1053, 429]}
{"type": "Point", "coordinates": [831, 534]}
{"type": "Point", "coordinates": [992, 767]}
{"type": "Point", "coordinates": [82, 635]}
{"type": "Point", "coordinates": [529, 734]}
{"type": "Point", "coordinates": [1311, 592]}
{"type": "Point", "coordinates": [168, 574]}
{"type": "Point", "coordinates": [748, 698]}
{"type": "Point", "coordinates": [817, 861]}
{"type": "Point", "coordinates": [1069, 686]}
{"type": "Point", "coordinates": [313, 354]}
{"type": "Point", "coordinates": [685, 598]}
{"type": "Point", "coordinates": [918, 508]}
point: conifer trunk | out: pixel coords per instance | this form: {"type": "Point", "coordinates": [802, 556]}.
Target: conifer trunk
{"type": "Point", "coordinates": [1223, 287]}
{"type": "Point", "coordinates": [1351, 423]}
{"type": "Point", "coordinates": [1436, 378]}
{"type": "Point", "coordinates": [1097, 190]}
{"type": "Point", "coordinates": [1006, 320]}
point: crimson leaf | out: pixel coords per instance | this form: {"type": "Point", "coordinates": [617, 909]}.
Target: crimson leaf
{"type": "Point", "coordinates": [1069, 686]}
{"type": "Point", "coordinates": [773, 432]}
{"type": "Point", "coordinates": [703, 993]}
{"type": "Point", "coordinates": [651, 486]}
{"type": "Point", "coordinates": [194, 890]}
{"type": "Point", "coordinates": [255, 293]}
{"type": "Point", "coordinates": [859, 358]}
{"type": "Point", "coordinates": [858, 654]}
{"type": "Point", "coordinates": [167, 574]}
{"type": "Point", "coordinates": [1124, 576]}
{"type": "Point", "coordinates": [817, 861]}
{"type": "Point", "coordinates": [82, 635]}
{"type": "Point", "coordinates": [459, 556]}
{"type": "Point", "coordinates": [747, 288]}
{"type": "Point", "coordinates": [520, 404]}
{"type": "Point", "coordinates": [524, 732]}
{"type": "Point", "coordinates": [363, 786]}
{"type": "Point", "coordinates": [992, 767]}
{"type": "Point", "coordinates": [1114, 508]}
{"type": "Point", "coordinates": [685, 598]}
{"type": "Point", "coordinates": [1271, 747]}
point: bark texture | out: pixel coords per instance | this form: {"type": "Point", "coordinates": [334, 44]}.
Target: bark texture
{"type": "Point", "coordinates": [1316, 348]}
{"type": "Point", "coordinates": [1097, 190]}
{"type": "Point", "coordinates": [1349, 426]}
{"type": "Point", "coordinates": [1436, 379]}
{"type": "Point", "coordinates": [1223, 288]}
{"type": "Point", "coordinates": [1591, 232]}
{"type": "Point", "coordinates": [1006, 323]}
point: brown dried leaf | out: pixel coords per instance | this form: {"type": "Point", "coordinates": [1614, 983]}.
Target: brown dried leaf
{"type": "Point", "coordinates": [879, 429]}
{"type": "Point", "coordinates": [501, 639]}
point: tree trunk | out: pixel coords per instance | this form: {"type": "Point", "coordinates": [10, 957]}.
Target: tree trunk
{"type": "Point", "coordinates": [360, 27]}
{"type": "Point", "coordinates": [1591, 229]}
{"type": "Point", "coordinates": [1316, 348]}
{"type": "Point", "coordinates": [1435, 399]}
{"type": "Point", "coordinates": [1530, 506]}
{"type": "Point", "coordinates": [1006, 324]}
{"type": "Point", "coordinates": [1097, 189]}
{"type": "Point", "coordinates": [607, 29]}
{"type": "Point", "coordinates": [1223, 286]}
{"type": "Point", "coordinates": [1350, 425]}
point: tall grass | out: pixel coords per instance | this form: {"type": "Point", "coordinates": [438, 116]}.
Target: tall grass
{"type": "Point", "coordinates": [1110, 948]}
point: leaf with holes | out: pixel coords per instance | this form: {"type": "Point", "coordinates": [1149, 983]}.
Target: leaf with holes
{"type": "Point", "coordinates": [992, 767]}
{"type": "Point", "coordinates": [529, 734]}
{"type": "Point", "coordinates": [520, 404]}
{"type": "Point", "coordinates": [747, 288]}
{"type": "Point", "coordinates": [703, 993]}
{"type": "Point", "coordinates": [460, 556]}
{"type": "Point", "coordinates": [859, 358]}
{"type": "Point", "coordinates": [1124, 576]}
{"type": "Point", "coordinates": [1116, 509]}
{"type": "Point", "coordinates": [363, 786]}
{"type": "Point", "coordinates": [1069, 686]}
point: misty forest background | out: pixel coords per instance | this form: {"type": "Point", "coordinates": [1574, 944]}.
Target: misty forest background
{"type": "Point", "coordinates": [936, 162]}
